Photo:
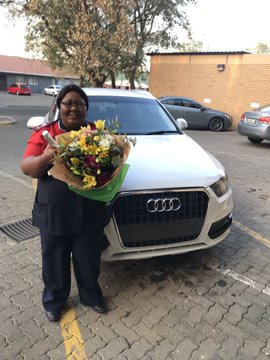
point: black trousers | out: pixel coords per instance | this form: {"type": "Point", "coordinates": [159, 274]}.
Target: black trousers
{"type": "Point", "coordinates": [56, 272]}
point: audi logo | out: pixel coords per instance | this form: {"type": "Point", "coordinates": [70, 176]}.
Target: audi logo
{"type": "Point", "coordinates": [160, 205]}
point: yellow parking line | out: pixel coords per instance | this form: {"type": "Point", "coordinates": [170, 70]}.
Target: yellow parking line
{"type": "Point", "coordinates": [253, 233]}
{"type": "Point", "coordinates": [73, 340]}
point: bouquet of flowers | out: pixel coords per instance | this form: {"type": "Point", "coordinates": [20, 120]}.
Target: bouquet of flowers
{"type": "Point", "coordinates": [92, 162]}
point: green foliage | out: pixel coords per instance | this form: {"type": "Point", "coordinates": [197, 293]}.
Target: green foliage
{"type": "Point", "coordinates": [98, 38]}
{"type": "Point", "coordinates": [262, 48]}
{"type": "Point", "coordinates": [192, 46]}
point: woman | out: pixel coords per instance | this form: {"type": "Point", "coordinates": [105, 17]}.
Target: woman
{"type": "Point", "coordinates": [69, 224]}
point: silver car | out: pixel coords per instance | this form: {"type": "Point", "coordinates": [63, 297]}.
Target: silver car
{"type": "Point", "coordinates": [197, 115]}
{"type": "Point", "coordinates": [255, 124]}
{"type": "Point", "coordinates": [175, 198]}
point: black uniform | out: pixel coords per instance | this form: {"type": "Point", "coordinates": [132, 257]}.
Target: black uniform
{"type": "Point", "coordinates": [69, 224]}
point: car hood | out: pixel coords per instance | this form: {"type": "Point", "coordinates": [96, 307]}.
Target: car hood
{"type": "Point", "coordinates": [169, 161]}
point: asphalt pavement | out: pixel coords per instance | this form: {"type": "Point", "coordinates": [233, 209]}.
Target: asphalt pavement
{"type": "Point", "coordinates": [210, 304]}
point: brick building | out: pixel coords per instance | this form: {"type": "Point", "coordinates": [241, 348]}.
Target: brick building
{"type": "Point", "coordinates": [229, 81]}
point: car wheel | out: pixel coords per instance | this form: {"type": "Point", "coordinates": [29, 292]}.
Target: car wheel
{"type": "Point", "coordinates": [254, 140]}
{"type": "Point", "coordinates": [216, 124]}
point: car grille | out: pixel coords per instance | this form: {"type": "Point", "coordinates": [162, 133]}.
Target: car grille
{"type": "Point", "coordinates": [140, 228]}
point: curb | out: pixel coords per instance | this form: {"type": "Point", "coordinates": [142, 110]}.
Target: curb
{"type": "Point", "coordinates": [6, 120]}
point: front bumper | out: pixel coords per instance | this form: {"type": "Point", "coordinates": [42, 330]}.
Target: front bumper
{"type": "Point", "coordinates": [175, 236]}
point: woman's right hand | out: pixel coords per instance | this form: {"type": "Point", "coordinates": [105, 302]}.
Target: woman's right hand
{"type": "Point", "coordinates": [36, 166]}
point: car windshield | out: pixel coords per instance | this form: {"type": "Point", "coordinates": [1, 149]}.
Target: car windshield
{"type": "Point", "coordinates": [136, 116]}
{"type": "Point", "coordinates": [23, 86]}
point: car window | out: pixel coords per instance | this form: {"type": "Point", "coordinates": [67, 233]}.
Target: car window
{"type": "Point", "coordinates": [191, 104]}
{"type": "Point", "coordinates": [264, 108]}
{"type": "Point", "coordinates": [23, 86]}
{"type": "Point", "coordinates": [137, 116]}
{"type": "Point", "coordinates": [173, 101]}
{"type": "Point", "coordinates": [13, 85]}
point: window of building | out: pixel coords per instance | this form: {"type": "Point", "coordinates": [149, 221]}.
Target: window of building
{"type": "Point", "coordinates": [21, 79]}
{"type": "Point", "coordinates": [32, 80]}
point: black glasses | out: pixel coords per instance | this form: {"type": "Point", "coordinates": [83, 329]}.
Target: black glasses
{"type": "Point", "coordinates": [70, 104]}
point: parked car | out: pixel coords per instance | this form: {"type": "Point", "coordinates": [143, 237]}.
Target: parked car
{"type": "Point", "coordinates": [19, 89]}
{"type": "Point", "coordinates": [255, 124]}
{"type": "Point", "coordinates": [52, 90]}
{"type": "Point", "coordinates": [175, 198]}
{"type": "Point", "coordinates": [197, 115]}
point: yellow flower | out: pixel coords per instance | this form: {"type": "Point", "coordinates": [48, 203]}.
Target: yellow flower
{"type": "Point", "coordinates": [96, 138]}
{"type": "Point", "coordinates": [100, 124]}
{"type": "Point", "coordinates": [89, 181]}
{"type": "Point", "coordinates": [93, 150]}
{"type": "Point", "coordinates": [82, 142]}
{"type": "Point", "coordinates": [75, 161]}
{"type": "Point", "coordinates": [73, 134]}
{"type": "Point", "coordinates": [104, 154]}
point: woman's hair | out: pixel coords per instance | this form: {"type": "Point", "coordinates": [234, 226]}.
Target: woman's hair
{"type": "Point", "coordinates": [71, 87]}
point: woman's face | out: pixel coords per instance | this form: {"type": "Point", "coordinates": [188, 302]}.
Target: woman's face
{"type": "Point", "coordinates": [73, 111]}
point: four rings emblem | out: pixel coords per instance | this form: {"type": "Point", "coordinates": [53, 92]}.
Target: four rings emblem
{"type": "Point", "coordinates": [160, 205]}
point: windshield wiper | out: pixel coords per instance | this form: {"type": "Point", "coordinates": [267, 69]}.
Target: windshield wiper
{"type": "Point", "coordinates": [160, 132]}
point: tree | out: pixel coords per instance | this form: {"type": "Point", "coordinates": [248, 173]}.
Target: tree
{"type": "Point", "coordinates": [152, 22]}
{"type": "Point", "coordinates": [85, 36]}
{"type": "Point", "coordinates": [97, 38]}
{"type": "Point", "coordinates": [262, 48]}
{"type": "Point", "coordinates": [192, 46]}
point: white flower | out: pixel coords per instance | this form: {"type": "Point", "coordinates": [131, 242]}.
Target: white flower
{"type": "Point", "coordinates": [106, 141]}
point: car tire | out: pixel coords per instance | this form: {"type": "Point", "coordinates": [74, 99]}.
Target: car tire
{"type": "Point", "coordinates": [254, 140]}
{"type": "Point", "coordinates": [216, 124]}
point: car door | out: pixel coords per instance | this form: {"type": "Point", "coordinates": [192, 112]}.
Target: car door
{"type": "Point", "coordinates": [50, 90]}
{"type": "Point", "coordinates": [13, 88]}
{"type": "Point", "coordinates": [194, 114]}
{"type": "Point", "coordinates": [173, 105]}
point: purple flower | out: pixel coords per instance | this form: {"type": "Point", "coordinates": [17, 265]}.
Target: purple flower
{"type": "Point", "coordinates": [90, 162]}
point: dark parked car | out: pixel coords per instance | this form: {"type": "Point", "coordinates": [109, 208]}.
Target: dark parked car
{"type": "Point", "coordinates": [256, 124]}
{"type": "Point", "coordinates": [197, 115]}
{"type": "Point", "coordinates": [19, 89]}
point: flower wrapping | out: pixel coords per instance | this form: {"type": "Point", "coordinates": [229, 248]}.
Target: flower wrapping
{"type": "Point", "coordinates": [92, 162]}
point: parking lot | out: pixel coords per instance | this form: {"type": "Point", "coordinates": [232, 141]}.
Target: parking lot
{"type": "Point", "coordinates": [210, 304]}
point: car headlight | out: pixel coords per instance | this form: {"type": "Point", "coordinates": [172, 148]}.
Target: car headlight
{"type": "Point", "coordinates": [221, 186]}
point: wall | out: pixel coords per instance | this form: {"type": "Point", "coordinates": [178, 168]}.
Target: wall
{"type": "Point", "coordinates": [244, 81]}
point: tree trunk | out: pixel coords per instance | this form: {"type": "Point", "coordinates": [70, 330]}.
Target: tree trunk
{"type": "Point", "coordinates": [132, 78]}
{"type": "Point", "coordinates": [112, 76]}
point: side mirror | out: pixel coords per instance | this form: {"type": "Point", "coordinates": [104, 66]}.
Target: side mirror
{"type": "Point", "coordinates": [182, 123]}
{"type": "Point", "coordinates": [35, 121]}
{"type": "Point", "coordinates": [203, 108]}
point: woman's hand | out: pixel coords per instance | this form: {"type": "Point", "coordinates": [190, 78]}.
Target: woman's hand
{"type": "Point", "coordinates": [36, 166]}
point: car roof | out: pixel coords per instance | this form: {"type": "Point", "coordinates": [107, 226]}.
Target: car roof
{"type": "Point", "coordinates": [178, 97]}
{"type": "Point", "coordinates": [118, 92]}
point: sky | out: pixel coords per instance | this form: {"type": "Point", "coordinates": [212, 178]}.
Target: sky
{"type": "Point", "coordinates": [222, 25]}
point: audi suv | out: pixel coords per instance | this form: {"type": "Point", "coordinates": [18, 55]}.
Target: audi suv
{"type": "Point", "coordinates": [175, 198]}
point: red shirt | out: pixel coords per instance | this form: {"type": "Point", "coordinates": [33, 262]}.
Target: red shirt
{"type": "Point", "coordinates": [36, 144]}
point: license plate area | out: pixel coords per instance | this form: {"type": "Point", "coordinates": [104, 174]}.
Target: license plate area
{"type": "Point", "coordinates": [250, 121]}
